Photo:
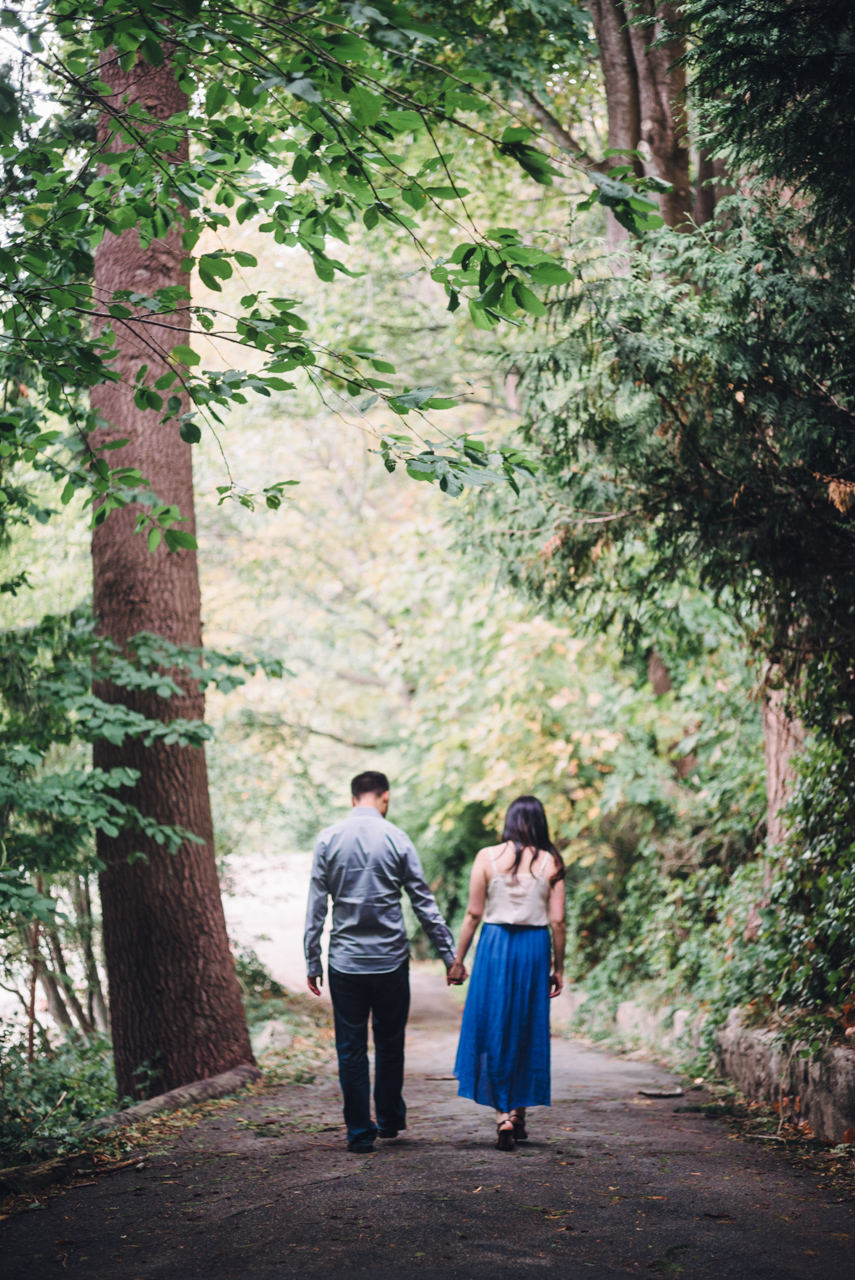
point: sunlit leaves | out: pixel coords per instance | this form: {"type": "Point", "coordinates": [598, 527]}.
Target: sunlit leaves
{"type": "Point", "coordinates": [455, 463]}
{"type": "Point", "coordinates": [48, 675]}
{"type": "Point", "coordinates": [305, 124]}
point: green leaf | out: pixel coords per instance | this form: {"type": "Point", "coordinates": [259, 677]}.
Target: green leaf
{"type": "Point", "coordinates": [190, 433]}
{"type": "Point", "coordinates": [528, 301]}
{"type": "Point", "coordinates": [516, 133]}
{"type": "Point", "coordinates": [185, 355]}
{"type": "Point", "coordinates": [179, 538]}
{"type": "Point", "coordinates": [152, 52]}
{"type": "Point", "coordinates": [479, 316]}
{"type": "Point", "coordinates": [216, 97]}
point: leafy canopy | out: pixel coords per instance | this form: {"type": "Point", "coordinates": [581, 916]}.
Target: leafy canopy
{"type": "Point", "coordinates": [303, 119]}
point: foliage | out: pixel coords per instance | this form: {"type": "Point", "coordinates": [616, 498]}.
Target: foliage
{"type": "Point", "coordinates": [694, 418]}
{"type": "Point", "coordinates": [344, 95]}
{"type": "Point", "coordinates": [772, 82]}
{"type": "Point", "coordinates": [43, 1102]}
{"type": "Point", "coordinates": [803, 955]}
{"type": "Point", "coordinates": [52, 676]}
{"type": "Point", "coordinates": [517, 45]}
{"type": "Point", "coordinates": [256, 982]}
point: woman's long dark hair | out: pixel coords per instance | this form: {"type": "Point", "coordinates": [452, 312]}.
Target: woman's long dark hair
{"type": "Point", "coordinates": [526, 826]}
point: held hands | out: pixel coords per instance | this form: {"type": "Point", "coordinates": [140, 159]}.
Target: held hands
{"type": "Point", "coordinates": [314, 982]}
{"type": "Point", "coordinates": [455, 974]}
{"type": "Point", "coordinates": [556, 983]}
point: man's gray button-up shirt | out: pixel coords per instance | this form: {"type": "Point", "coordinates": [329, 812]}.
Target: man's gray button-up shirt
{"type": "Point", "coordinates": [362, 863]}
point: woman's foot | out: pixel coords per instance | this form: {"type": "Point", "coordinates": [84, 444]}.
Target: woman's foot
{"type": "Point", "coordinates": [517, 1117]}
{"type": "Point", "coordinates": [505, 1134]}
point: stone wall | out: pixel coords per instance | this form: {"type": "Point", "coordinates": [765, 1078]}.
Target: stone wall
{"type": "Point", "coordinates": [818, 1093]}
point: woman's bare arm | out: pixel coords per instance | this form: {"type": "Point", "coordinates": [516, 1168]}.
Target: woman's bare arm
{"type": "Point", "coordinates": [474, 912]}
{"type": "Point", "coordinates": [559, 937]}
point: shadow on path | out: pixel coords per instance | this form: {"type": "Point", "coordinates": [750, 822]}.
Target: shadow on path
{"type": "Point", "coordinates": [609, 1184]}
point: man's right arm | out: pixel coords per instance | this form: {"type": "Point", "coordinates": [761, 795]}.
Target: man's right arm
{"type": "Point", "coordinates": [316, 914]}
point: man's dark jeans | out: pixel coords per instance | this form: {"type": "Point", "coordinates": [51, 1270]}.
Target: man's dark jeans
{"type": "Point", "coordinates": [386, 996]}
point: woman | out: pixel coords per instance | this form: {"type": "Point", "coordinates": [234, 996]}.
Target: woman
{"type": "Point", "coordinates": [518, 889]}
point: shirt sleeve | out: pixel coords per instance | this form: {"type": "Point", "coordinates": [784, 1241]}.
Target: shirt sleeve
{"type": "Point", "coordinates": [316, 912]}
{"type": "Point", "coordinates": [424, 905]}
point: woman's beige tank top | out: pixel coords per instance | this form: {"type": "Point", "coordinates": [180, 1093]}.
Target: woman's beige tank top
{"type": "Point", "coordinates": [526, 902]}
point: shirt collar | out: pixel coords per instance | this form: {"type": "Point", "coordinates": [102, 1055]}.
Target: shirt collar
{"type": "Point", "coordinates": [365, 811]}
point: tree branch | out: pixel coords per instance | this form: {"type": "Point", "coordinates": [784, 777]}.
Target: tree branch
{"type": "Point", "coordinates": [553, 126]}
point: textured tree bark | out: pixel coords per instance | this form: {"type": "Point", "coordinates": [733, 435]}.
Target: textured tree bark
{"type": "Point", "coordinates": [658, 675]}
{"type": "Point", "coordinates": [175, 1004]}
{"type": "Point", "coordinates": [661, 88]}
{"type": "Point", "coordinates": [644, 99]}
{"type": "Point", "coordinates": [620, 79]}
{"type": "Point", "coordinates": [784, 738]}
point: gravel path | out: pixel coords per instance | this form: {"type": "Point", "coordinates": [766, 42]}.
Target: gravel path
{"type": "Point", "coordinates": [610, 1183]}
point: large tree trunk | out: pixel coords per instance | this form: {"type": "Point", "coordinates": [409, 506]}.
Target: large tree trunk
{"type": "Point", "coordinates": [644, 98]}
{"type": "Point", "coordinates": [620, 79]}
{"type": "Point", "coordinates": [661, 96]}
{"type": "Point", "coordinates": [174, 999]}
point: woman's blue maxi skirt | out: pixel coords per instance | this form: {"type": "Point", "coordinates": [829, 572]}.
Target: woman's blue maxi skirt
{"type": "Point", "coordinates": [503, 1055]}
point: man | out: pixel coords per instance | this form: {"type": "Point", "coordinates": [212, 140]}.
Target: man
{"type": "Point", "coordinates": [363, 863]}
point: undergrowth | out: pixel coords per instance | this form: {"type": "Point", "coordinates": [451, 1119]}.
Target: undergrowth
{"type": "Point", "coordinates": [43, 1103]}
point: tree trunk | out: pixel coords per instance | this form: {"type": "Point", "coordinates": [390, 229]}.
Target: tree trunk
{"type": "Point", "coordinates": [64, 978]}
{"type": "Point", "coordinates": [644, 98]}
{"type": "Point", "coordinates": [99, 1014]}
{"type": "Point", "coordinates": [50, 987]}
{"type": "Point", "coordinates": [661, 96]}
{"type": "Point", "coordinates": [620, 79]}
{"type": "Point", "coordinates": [784, 738]}
{"type": "Point", "coordinates": [712, 187]}
{"type": "Point", "coordinates": [175, 1004]}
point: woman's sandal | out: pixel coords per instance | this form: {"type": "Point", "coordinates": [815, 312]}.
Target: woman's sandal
{"type": "Point", "coordinates": [520, 1134]}
{"type": "Point", "coordinates": [505, 1134]}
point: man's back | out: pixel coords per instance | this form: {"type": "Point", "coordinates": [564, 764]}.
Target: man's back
{"type": "Point", "coordinates": [363, 862]}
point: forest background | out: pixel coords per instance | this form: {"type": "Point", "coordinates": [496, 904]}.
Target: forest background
{"type": "Point", "coordinates": [648, 629]}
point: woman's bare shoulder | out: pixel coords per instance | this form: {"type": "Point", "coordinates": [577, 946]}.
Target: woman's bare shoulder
{"type": "Point", "coordinates": [554, 865]}
{"type": "Point", "coordinates": [491, 851]}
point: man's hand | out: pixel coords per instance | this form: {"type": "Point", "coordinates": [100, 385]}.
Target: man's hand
{"type": "Point", "coordinates": [314, 982]}
{"type": "Point", "coordinates": [556, 982]}
{"type": "Point", "coordinates": [455, 974]}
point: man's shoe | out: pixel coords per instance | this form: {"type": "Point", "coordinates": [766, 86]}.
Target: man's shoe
{"type": "Point", "coordinates": [388, 1134]}
{"type": "Point", "coordinates": [360, 1148]}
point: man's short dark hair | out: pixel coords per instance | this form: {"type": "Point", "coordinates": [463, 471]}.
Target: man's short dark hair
{"type": "Point", "coordinates": [369, 783]}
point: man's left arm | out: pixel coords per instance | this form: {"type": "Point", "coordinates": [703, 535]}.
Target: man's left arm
{"type": "Point", "coordinates": [424, 905]}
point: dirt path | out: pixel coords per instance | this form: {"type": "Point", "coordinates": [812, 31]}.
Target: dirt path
{"type": "Point", "coordinates": [609, 1184]}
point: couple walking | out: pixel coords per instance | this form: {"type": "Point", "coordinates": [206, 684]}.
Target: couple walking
{"type": "Point", "coordinates": [517, 889]}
